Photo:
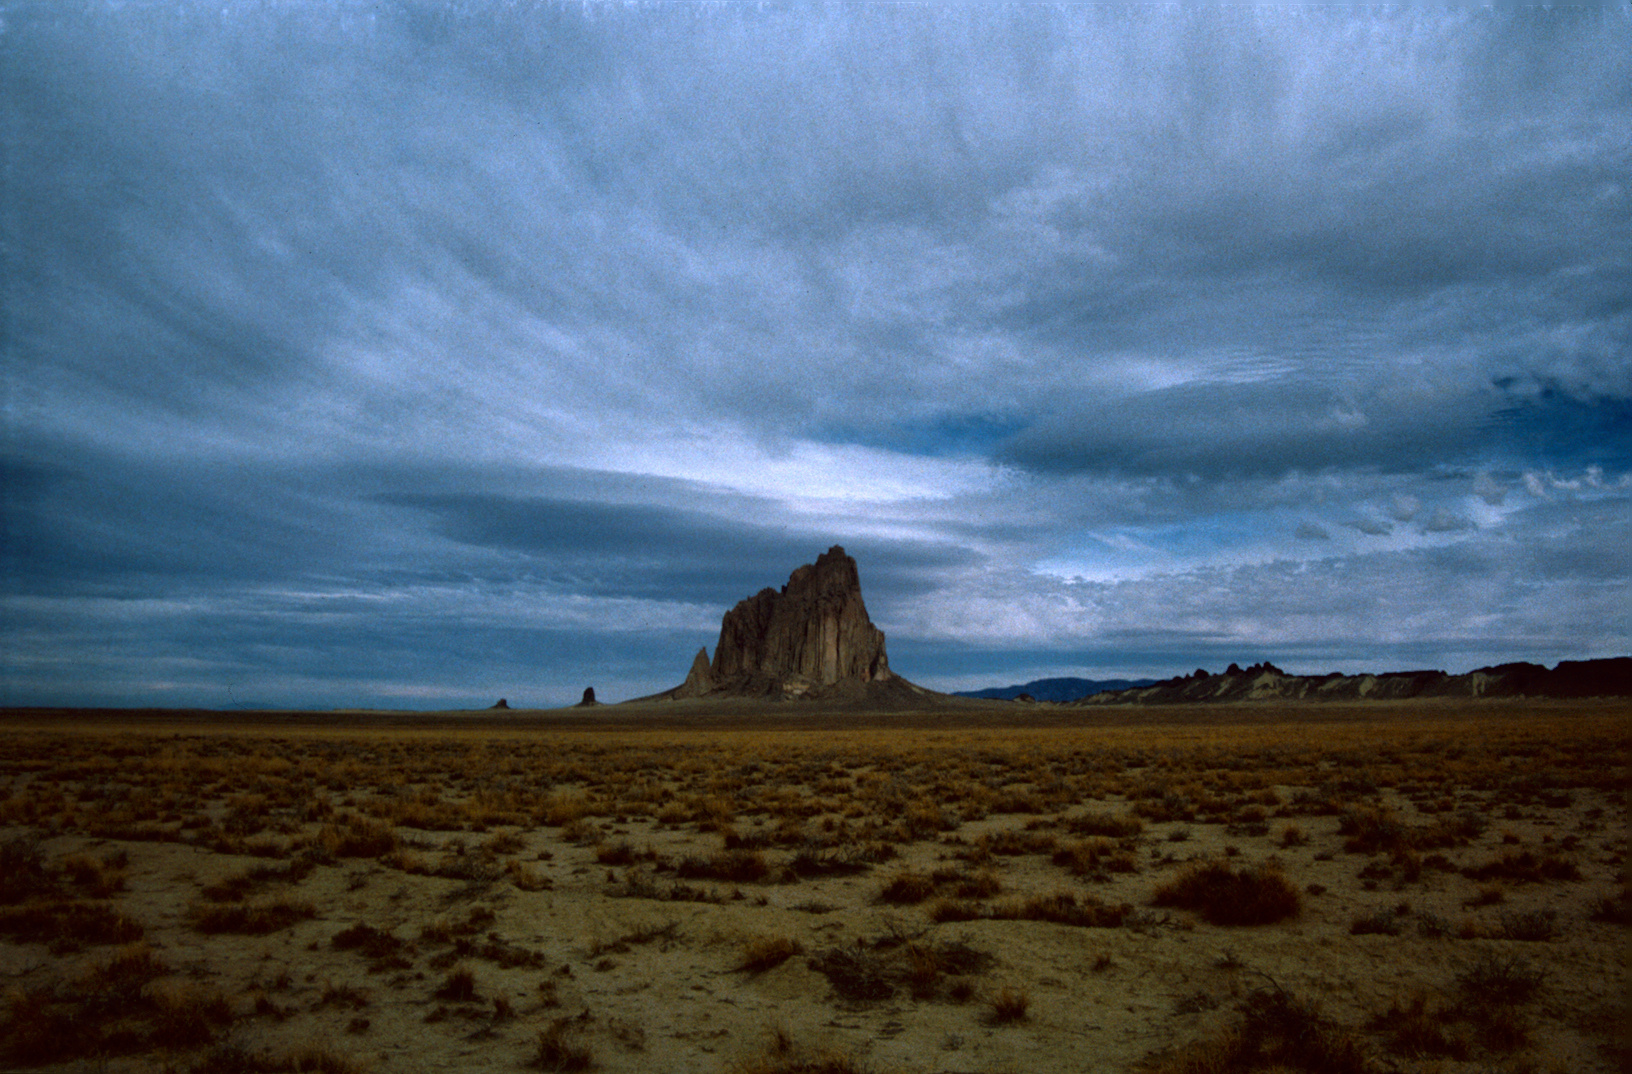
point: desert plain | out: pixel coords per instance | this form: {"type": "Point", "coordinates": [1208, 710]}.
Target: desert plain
{"type": "Point", "coordinates": [1434, 886]}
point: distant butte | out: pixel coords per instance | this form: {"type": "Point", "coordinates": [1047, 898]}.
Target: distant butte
{"type": "Point", "coordinates": [811, 639]}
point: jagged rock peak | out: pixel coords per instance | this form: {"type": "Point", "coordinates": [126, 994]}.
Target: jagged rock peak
{"type": "Point", "coordinates": [699, 680]}
{"type": "Point", "coordinates": [813, 633]}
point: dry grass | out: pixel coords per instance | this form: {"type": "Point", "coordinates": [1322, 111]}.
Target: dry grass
{"type": "Point", "coordinates": [914, 860]}
{"type": "Point", "coordinates": [1224, 895]}
{"type": "Point", "coordinates": [768, 952]}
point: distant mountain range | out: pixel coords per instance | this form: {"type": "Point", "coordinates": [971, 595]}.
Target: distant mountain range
{"type": "Point", "coordinates": [1056, 689]}
{"type": "Point", "coordinates": [1265, 682]}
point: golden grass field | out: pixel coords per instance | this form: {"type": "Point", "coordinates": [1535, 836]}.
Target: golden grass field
{"type": "Point", "coordinates": [1387, 887]}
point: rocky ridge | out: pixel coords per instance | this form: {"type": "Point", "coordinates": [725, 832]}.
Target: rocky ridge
{"type": "Point", "coordinates": [1265, 682]}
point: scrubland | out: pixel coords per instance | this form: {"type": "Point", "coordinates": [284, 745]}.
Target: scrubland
{"type": "Point", "coordinates": [1411, 888]}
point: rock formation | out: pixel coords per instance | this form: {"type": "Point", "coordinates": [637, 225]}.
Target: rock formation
{"type": "Point", "coordinates": [501, 703]}
{"type": "Point", "coordinates": [1266, 682]}
{"type": "Point", "coordinates": [811, 638]}
{"type": "Point", "coordinates": [699, 680]}
{"type": "Point", "coordinates": [589, 698]}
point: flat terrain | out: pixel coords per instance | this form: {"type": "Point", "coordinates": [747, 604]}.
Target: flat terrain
{"type": "Point", "coordinates": [741, 887]}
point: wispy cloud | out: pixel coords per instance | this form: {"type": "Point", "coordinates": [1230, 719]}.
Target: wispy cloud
{"type": "Point", "coordinates": [534, 335]}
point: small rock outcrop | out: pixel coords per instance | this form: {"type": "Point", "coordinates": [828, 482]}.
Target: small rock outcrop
{"type": "Point", "coordinates": [811, 638]}
{"type": "Point", "coordinates": [589, 698]}
{"type": "Point", "coordinates": [501, 703]}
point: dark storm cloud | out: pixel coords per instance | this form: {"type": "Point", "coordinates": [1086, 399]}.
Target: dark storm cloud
{"type": "Point", "coordinates": [343, 330]}
{"type": "Point", "coordinates": [665, 553]}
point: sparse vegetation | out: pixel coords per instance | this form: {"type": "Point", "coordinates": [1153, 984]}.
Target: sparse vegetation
{"type": "Point", "coordinates": [437, 862]}
{"type": "Point", "coordinates": [1224, 895]}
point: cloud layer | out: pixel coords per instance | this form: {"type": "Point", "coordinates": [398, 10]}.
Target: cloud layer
{"type": "Point", "coordinates": [405, 353]}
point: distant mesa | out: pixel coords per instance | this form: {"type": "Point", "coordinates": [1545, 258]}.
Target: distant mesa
{"type": "Point", "coordinates": [812, 639]}
{"type": "Point", "coordinates": [589, 699]}
{"type": "Point", "coordinates": [501, 703]}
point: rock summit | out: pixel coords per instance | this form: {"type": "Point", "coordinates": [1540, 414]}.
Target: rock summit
{"type": "Point", "coordinates": [811, 638]}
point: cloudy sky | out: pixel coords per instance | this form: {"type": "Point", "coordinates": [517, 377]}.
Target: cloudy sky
{"type": "Point", "coordinates": [417, 354]}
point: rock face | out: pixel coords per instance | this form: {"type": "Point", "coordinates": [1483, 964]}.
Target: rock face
{"type": "Point", "coordinates": [816, 630]}
{"type": "Point", "coordinates": [811, 638]}
{"type": "Point", "coordinates": [700, 679]}
{"type": "Point", "coordinates": [589, 698]}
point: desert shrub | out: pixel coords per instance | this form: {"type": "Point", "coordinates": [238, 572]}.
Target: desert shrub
{"type": "Point", "coordinates": [639, 883]}
{"type": "Point", "coordinates": [924, 965]}
{"type": "Point", "coordinates": [560, 1048]}
{"type": "Point", "coordinates": [23, 872]}
{"type": "Point", "coordinates": [68, 925]}
{"type": "Point", "coordinates": [1371, 829]}
{"type": "Point", "coordinates": [874, 973]}
{"type": "Point", "coordinates": [1009, 1005]}
{"type": "Point", "coordinates": [357, 836]}
{"type": "Point", "coordinates": [582, 831]}
{"type": "Point", "coordinates": [1275, 1031]}
{"type": "Point", "coordinates": [239, 886]}
{"type": "Point", "coordinates": [767, 952]}
{"type": "Point", "coordinates": [1095, 856]}
{"type": "Point", "coordinates": [981, 885]}
{"type": "Point", "coordinates": [907, 888]}
{"type": "Point", "coordinates": [1418, 1030]}
{"type": "Point", "coordinates": [97, 878]}
{"type": "Point", "coordinates": [249, 918]}
{"type": "Point", "coordinates": [856, 973]}
{"type": "Point", "coordinates": [119, 1007]}
{"type": "Point", "coordinates": [1104, 824]}
{"type": "Point", "coordinates": [1293, 836]}
{"type": "Point", "coordinates": [1613, 909]}
{"type": "Point", "coordinates": [621, 853]}
{"type": "Point", "coordinates": [344, 996]}
{"type": "Point", "coordinates": [525, 879]}
{"type": "Point", "coordinates": [1384, 921]}
{"type": "Point", "coordinates": [459, 986]}
{"type": "Point", "coordinates": [942, 911]}
{"type": "Point", "coordinates": [508, 841]}
{"type": "Point", "coordinates": [782, 1056]}
{"type": "Point", "coordinates": [734, 866]}
{"type": "Point", "coordinates": [1011, 843]}
{"type": "Point", "coordinates": [1503, 979]}
{"type": "Point", "coordinates": [1534, 926]}
{"type": "Point", "coordinates": [1063, 908]}
{"type": "Point", "coordinates": [1524, 867]}
{"type": "Point", "coordinates": [492, 949]}
{"type": "Point", "coordinates": [381, 948]}
{"type": "Point", "coordinates": [1226, 896]}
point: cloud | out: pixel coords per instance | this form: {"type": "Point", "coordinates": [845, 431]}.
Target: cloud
{"type": "Point", "coordinates": [1444, 521]}
{"type": "Point", "coordinates": [412, 325]}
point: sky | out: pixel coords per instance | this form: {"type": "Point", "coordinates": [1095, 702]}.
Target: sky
{"type": "Point", "coordinates": [415, 355]}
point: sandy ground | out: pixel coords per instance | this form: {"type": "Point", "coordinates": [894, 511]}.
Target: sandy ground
{"type": "Point", "coordinates": [568, 942]}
